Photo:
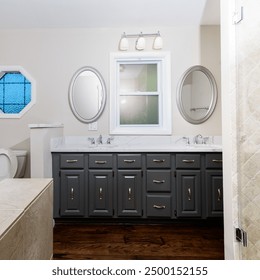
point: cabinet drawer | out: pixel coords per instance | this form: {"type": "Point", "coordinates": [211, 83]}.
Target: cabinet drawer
{"type": "Point", "coordinates": [72, 161]}
{"type": "Point", "coordinates": [187, 161]}
{"type": "Point", "coordinates": [214, 160]}
{"type": "Point", "coordinates": [158, 161]}
{"type": "Point", "coordinates": [158, 206]}
{"type": "Point", "coordinates": [158, 181]}
{"type": "Point", "coordinates": [129, 161]}
{"type": "Point", "coordinates": [100, 161]}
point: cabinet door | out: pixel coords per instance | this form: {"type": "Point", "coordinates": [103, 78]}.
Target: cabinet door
{"type": "Point", "coordinates": [188, 193]}
{"type": "Point", "coordinates": [72, 193]}
{"type": "Point", "coordinates": [100, 193]}
{"type": "Point", "coordinates": [129, 193]}
{"type": "Point", "coordinates": [214, 191]}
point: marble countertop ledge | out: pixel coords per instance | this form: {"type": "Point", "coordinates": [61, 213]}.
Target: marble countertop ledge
{"type": "Point", "coordinates": [131, 144]}
{"type": "Point", "coordinates": [139, 149]}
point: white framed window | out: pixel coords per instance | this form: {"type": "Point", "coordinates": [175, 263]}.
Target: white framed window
{"type": "Point", "coordinates": [140, 93]}
{"type": "Point", "coordinates": [17, 91]}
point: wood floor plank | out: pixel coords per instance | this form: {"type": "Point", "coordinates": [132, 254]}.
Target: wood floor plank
{"type": "Point", "coordinates": [161, 241]}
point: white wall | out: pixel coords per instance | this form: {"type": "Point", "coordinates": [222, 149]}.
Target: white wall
{"type": "Point", "coordinates": [52, 56]}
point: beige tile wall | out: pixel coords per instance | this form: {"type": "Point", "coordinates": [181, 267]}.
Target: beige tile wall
{"type": "Point", "coordinates": [248, 125]}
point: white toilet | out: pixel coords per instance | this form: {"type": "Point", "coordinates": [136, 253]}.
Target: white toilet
{"type": "Point", "coordinates": [12, 163]}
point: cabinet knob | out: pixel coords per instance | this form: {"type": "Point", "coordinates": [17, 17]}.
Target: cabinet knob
{"type": "Point", "coordinates": [100, 161]}
{"type": "Point", "coordinates": [72, 193]}
{"type": "Point", "coordinates": [159, 206]}
{"type": "Point", "coordinates": [71, 160]}
{"type": "Point", "coordinates": [129, 193]}
{"type": "Point", "coordinates": [189, 194]}
{"type": "Point", "coordinates": [100, 193]}
{"type": "Point", "coordinates": [217, 160]}
{"type": "Point", "coordinates": [159, 160]}
{"type": "Point", "coordinates": [188, 160]}
{"type": "Point", "coordinates": [219, 194]}
{"type": "Point", "coordinates": [158, 181]}
{"type": "Point", "coordinates": [129, 160]}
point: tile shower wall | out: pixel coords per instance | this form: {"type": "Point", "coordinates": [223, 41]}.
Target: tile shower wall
{"type": "Point", "coordinates": [247, 124]}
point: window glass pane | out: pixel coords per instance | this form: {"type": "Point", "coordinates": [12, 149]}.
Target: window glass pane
{"type": "Point", "coordinates": [138, 78]}
{"type": "Point", "coordinates": [1, 93]}
{"type": "Point", "coordinates": [15, 92]}
{"type": "Point", "coordinates": [139, 110]}
{"type": "Point", "coordinates": [27, 93]}
{"type": "Point", "coordinates": [14, 78]}
{"type": "Point", "coordinates": [13, 109]}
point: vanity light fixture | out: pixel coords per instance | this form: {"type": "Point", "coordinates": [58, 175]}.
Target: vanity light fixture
{"type": "Point", "coordinates": [123, 45]}
{"type": "Point", "coordinates": [140, 41]}
{"type": "Point", "coordinates": [158, 42]}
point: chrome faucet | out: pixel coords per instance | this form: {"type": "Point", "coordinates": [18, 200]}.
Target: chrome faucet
{"type": "Point", "coordinates": [99, 139]}
{"type": "Point", "coordinates": [92, 140]}
{"type": "Point", "coordinates": [198, 139]}
{"type": "Point", "coordinates": [109, 139]}
{"type": "Point", "coordinates": [187, 139]}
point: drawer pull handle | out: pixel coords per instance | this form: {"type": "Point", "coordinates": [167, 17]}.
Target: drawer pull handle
{"type": "Point", "coordinates": [129, 160]}
{"type": "Point", "coordinates": [72, 193]}
{"type": "Point", "coordinates": [188, 160]}
{"type": "Point", "coordinates": [159, 206]}
{"type": "Point", "coordinates": [159, 160]}
{"type": "Point", "coordinates": [71, 160]}
{"type": "Point", "coordinates": [158, 181]}
{"type": "Point", "coordinates": [100, 161]}
{"type": "Point", "coordinates": [219, 194]}
{"type": "Point", "coordinates": [100, 193]}
{"type": "Point", "coordinates": [217, 160]}
{"type": "Point", "coordinates": [129, 193]}
{"type": "Point", "coordinates": [189, 194]}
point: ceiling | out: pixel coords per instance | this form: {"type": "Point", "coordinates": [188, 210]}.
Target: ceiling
{"type": "Point", "coordinates": [107, 13]}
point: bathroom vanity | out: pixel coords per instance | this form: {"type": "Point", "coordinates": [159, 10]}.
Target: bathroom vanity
{"type": "Point", "coordinates": [137, 182]}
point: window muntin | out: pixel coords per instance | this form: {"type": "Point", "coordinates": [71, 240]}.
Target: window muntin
{"type": "Point", "coordinates": [17, 93]}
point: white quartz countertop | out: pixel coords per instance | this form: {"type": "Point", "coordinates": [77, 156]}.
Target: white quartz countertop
{"type": "Point", "coordinates": [128, 144]}
{"type": "Point", "coordinates": [15, 197]}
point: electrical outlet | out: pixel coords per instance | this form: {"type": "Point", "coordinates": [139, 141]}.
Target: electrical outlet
{"type": "Point", "coordinates": [92, 126]}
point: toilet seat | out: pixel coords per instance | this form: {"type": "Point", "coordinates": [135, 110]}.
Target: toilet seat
{"type": "Point", "coordinates": [13, 164]}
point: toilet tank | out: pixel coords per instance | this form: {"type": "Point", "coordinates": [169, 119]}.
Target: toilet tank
{"type": "Point", "coordinates": [21, 158]}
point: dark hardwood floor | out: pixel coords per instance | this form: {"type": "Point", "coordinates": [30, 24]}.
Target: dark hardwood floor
{"type": "Point", "coordinates": [175, 241]}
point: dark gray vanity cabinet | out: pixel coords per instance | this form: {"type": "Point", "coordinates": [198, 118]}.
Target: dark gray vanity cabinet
{"type": "Point", "coordinates": [214, 185]}
{"type": "Point", "coordinates": [100, 185]}
{"type": "Point", "coordinates": [72, 193]}
{"type": "Point", "coordinates": [129, 193]}
{"type": "Point", "coordinates": [138, 185]}
{"type": "Point", "coordinates": [129, 185]}
{"type": "Point", "coordinates": [159, 186]}
{"type": "Point", "coordinates": [72, 185]}
{"type": "Point", "coordinates": [189, 185]}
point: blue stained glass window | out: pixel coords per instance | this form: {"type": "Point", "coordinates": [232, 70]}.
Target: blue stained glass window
{"type": "Point", "coordinates": [15, 92]}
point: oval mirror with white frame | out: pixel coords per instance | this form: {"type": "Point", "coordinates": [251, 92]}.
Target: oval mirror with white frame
{"type": "Point", "coordinates": [87, 94]}
{"type": "Point", "coordinates": [197, 94]}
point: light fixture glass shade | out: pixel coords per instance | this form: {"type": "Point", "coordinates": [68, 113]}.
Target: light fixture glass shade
{"type": "Point", "coordinates": [123, 45]}
{"type": "Point", "coordinates": [158, 42]}
{"type": "Point", "coordinates": [140, 43]}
